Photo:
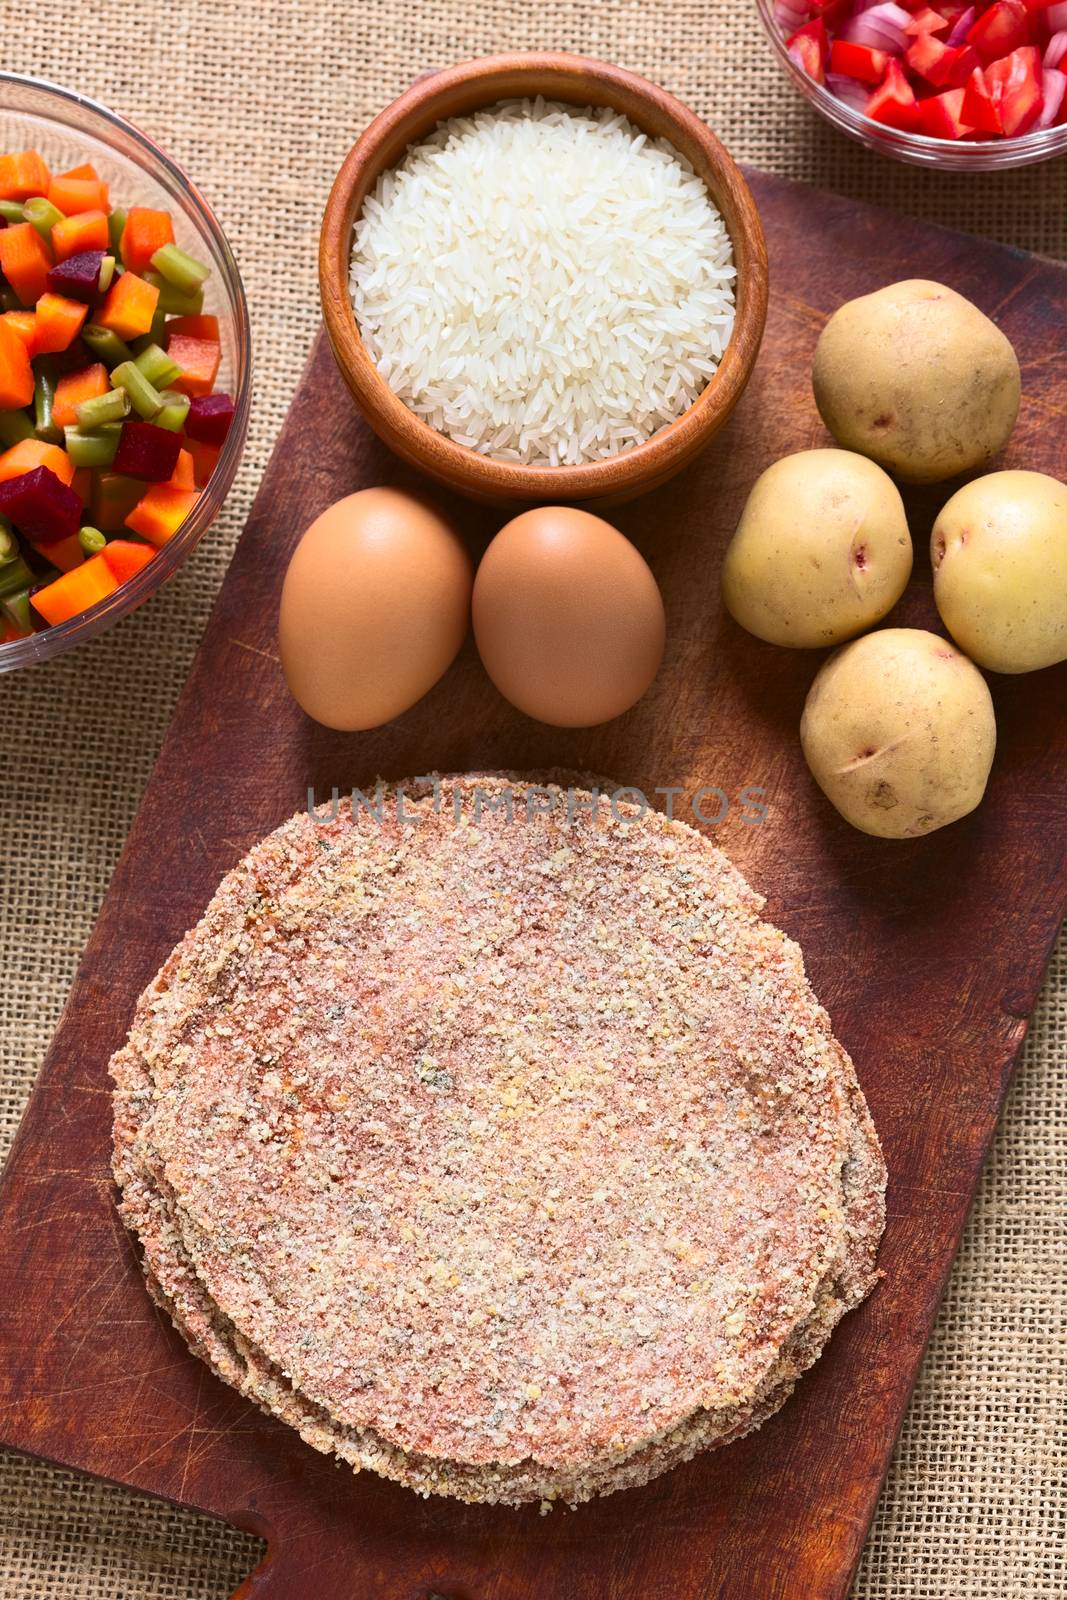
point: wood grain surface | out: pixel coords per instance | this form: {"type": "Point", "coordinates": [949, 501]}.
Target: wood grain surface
{"type": "Point", "coordinates": [928, 955]}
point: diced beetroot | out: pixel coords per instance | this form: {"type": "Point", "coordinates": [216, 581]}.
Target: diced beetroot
{"type": "Point", "coordinates": [41, 506]}
{"type": "Point", "coordinates": [147, 452]}
{"type": "Point", "coordinates": [73, 359]}
{"type": "Point", "coordinates": [78, 277]}
{"type": "Point", "coordinates": [209, 418]}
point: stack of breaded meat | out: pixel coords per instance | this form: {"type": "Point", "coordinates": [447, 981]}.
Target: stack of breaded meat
{"type": "Point", "coordinates": [489, 1138]}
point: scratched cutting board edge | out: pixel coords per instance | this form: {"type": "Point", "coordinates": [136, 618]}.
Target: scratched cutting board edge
{"type": "Point", "coordinates": [928, 955]}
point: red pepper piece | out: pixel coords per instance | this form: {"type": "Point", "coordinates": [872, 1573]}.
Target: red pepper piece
{"type": "Point", "coordinates": [858, 61]}
{"type": "Point", "coordinates": [1015, 84]}
{"type": "Point", "coordinates": [810, 47]}
{"type": "Point", "coordinates": [941, 116]}
{"type": "Point", "coordinates": [1000, 30]}
{"type": "Point", "coordinates": [893, 103]}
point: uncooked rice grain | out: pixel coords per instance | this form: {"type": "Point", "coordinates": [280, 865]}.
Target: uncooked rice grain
{"type": "Point", "coordinates": [543, 283]}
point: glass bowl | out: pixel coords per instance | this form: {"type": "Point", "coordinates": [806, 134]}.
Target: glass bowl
{"type": "Point", "coordinates": [949, 155]}
{"type": "Point", "coordinates": [67, 128]}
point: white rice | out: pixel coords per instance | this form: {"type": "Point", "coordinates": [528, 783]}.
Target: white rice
{"type": "Point", "coordinates": [543, 284]}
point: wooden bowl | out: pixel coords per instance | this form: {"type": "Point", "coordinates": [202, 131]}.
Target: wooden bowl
{"type": "Point", "coordinates": [457, 91]}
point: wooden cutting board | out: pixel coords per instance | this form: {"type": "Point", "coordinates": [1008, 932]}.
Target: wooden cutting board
{"type": "Point", "coordinates": [928, 955]}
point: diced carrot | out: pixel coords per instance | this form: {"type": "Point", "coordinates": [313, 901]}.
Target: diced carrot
{"type": "Point", "coordinates": [31, 453]}
{"type": "Point", "coordinates": [66, 554]}
{"type": "Point", "coordinates": [184, 474]}
{"type": "Point", "coordinates": [16, 374]}
{"type": "Point", "coordinates": [59, 321]}
{"type": "Point", "coordinates": [198, 360]}
{"type": "Point", "coordinates": [86, 231]}
{"type": "Point", "coordinates": [25, 260]}
{"type": "Point", "coordinates": [129, 306]}
{"type": "Point", "coordinates": [112, 498]}
{"type": "Point", "coordinates": [24, 323]}
{"type": "Point", "coordinates": [126, 558]}
{"type": "Point", "coordinates": [82, 484]}
{"type": "Point", "coordinates": [86, 170]}
{"type": "Point", "coordinates": [75, 591]}
{"type": "Point", "coordinates": [203, 326]}
{"type": "Point", "coordinates": [73, 388]}
{"type": "Point", "coordinates": [71, 195]}
{"type": "Point", "coordinates": [205, 459]}
{"type": "Point", "coordinates": [161, 512]}
{"type": "Point", "coordinates": [23, 175]}
{"type": "Point", "coordinates": [146, 231]}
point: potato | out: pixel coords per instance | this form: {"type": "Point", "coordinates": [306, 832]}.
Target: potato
{"type": "Point", "coordinates": [917, 378]}
{"type": "Point", "coordinates": [899, 733]}
{"type": "Point", "coordinates": [822, 550]}
{"type": "Point", "coordinates": [999, 554]}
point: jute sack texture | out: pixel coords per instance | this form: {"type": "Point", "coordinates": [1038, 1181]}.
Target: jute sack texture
{"type": "Point", "coordinates": [260, 101]}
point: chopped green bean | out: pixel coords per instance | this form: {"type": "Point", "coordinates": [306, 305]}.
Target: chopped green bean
{"type": "Point", "coordinates": [11, 211]}
{"type": "Point", "coordinates": [110, 407]}
{"type": "Point", "coordinates": [144, 396]}
{"type": "Point", "coordinates": [44, 393]}
{"type": "Point", "coordinates": [174, 412]}
{"type": "Point", "coordinates": [15, 575]}
{"type": "Point", "coordinates": [9, 544]}
{"type": "Point", "coordinates": [180, 269]}
{"type": "Point", "coordinates": [107, 272]}
{"type": "Point", "coordinates": [106, 345]}
{"type": "Point", "coordinates": [115, 224]}
{"type": "Point", "coordinates": [174, 301]}
{"type": "Point", "coordinates": [42, 215]}
{"type": "Point", "coordinates": [91, 540]}
{"type": "Point", "coordinates": [14, 427]}
{"type": "Point", "coordinates": [157, 366]}
{"type": "Point", "coordinates": [96, 449]}
{"type": "Point", "coordinates": [16, 608]}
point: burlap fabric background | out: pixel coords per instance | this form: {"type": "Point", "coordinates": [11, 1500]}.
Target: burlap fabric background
{"type": "Point", "coordinates": [259, 99]}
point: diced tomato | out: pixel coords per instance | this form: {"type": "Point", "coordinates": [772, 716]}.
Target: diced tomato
{"type": "Point", "coordinates": [1000, 30]}
{"type": "Point", "coordinates": [940, 116]}
{"type": "Point", "coordinates": [893, 102]}
{"type": "Point", "coordinates": [1016, 87]}
{"type": "Point", "coordinates": [858, 61]}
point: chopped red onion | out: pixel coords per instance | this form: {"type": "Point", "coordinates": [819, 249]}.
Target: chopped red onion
{"type": "Point", "coordinates": [1056, 49]}
{"type": "Point", "coordinates": [1055, 87]}
{"type": "Point", "coordinates": [962, 28]}
{"type": "Point", "coordinates": [880, 28]}
{"type": "Point", "coordinates": [1056, 17]}
{"type": "Point", "coordinates": [851, 91]}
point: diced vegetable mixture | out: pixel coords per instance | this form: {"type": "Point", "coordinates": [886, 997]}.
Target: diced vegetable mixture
{"type": "Point", "coordinates": [109, 423]}
{"type": "Point", "coordinates": [991, 70]}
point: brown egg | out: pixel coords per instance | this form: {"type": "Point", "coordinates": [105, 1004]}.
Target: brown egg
{"type": "Point", "coordinates": [568, 618]}
{"type": "Point", "coordinates": [375, 606]}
